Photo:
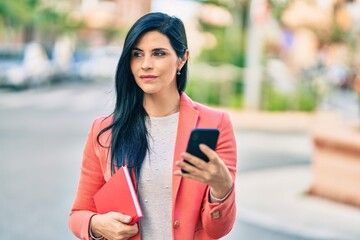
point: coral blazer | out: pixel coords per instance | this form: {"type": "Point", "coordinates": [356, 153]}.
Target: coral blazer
{"type": "Point", "coordinates": [193, 216]}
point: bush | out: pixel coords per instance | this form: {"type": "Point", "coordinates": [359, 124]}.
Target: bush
{"type": "Point", "coordinates": [304, 98]}
{"type": "Point", "coordinates": [216, 85]}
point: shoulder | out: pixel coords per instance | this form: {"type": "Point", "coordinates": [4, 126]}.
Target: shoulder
{"type": "Point", "coordinates": [102, 122]}
{"type": "Point", "coordinates": [188, 102]}
{"type": "Point", "coordinates": [206, 113]}
{"type": "Point", "coordinates": [209, 112]}
{"type": "Point", "coordinates": [204, 109]}
{"type": "Point", "coordinates": [98, 125]}
{"type": "Point", "coordinates": [216, 116]}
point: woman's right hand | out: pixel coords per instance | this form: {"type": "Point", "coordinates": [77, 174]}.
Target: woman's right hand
{"type": "Point", "coordinates": [113, 226]}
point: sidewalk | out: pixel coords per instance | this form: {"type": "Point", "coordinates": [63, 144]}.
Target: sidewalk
{"type": "Point", "coordinates": [277, 199]}
{"type": "Point", "coordinates": [280, 121]}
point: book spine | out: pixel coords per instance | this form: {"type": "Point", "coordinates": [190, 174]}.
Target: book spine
{"type": "Point", "coordinates": [132, 191]}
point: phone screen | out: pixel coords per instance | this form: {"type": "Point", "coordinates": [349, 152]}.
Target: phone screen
{"type": "Point", "coordinates": [207, 136]}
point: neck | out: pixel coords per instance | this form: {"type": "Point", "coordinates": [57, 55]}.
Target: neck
{"type": "Point", "coordinates": [161, 106]}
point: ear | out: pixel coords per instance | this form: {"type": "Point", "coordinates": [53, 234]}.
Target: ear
{"type": "Point", "coordinates": [183, 59]}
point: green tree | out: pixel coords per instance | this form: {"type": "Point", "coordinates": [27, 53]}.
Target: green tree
{"type": "Point", "coordinates": [231, 39]}
{"type": "Point", "coordinates": [28, 16]}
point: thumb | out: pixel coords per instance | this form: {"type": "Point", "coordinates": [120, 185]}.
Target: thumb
{"type": "Point", "coordinates": [121, 217]}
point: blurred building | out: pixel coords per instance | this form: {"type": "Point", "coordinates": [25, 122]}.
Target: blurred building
{"type": "Point", "coordinates": [45, 20]}
{"type": "Point", "coordinates": [101, 18]}
{"type": "Point", "coordinates": [98, 14]}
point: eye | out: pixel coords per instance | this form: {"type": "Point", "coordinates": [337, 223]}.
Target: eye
{"type": "Point", "coordinates": [136, 54]}
{"type": "Point", "coordinates": [159, 53]}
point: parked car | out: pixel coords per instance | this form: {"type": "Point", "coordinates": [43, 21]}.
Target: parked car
{"type": "Point", "coordinates": [96, 63]}
{"type": "Point", "coordinates": [29, 66]}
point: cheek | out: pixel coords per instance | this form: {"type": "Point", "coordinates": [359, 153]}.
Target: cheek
{"type": "Point", "coordinates": [170, 67]}
{"type": "Point", "coordinates": [132, 66]}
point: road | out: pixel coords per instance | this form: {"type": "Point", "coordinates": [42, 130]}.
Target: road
{"type": "Point", "coordinates": [42, 133]}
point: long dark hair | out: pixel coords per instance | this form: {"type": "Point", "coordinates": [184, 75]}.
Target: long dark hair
{"type": "Point", "coordinates": [129, 141]}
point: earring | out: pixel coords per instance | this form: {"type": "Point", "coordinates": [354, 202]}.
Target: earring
{"type": "Point", "coordinates": [178, 72]}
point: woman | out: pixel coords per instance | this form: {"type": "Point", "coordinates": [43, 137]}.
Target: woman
{"type": "Point", "coordinates": [148, 131]}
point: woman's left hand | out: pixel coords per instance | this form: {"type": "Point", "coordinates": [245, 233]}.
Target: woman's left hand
{"type": "Point", "coordinates": [213, 173]}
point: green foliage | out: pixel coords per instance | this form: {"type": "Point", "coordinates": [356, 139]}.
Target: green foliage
{"type": "Point", "coordinates": [304, 98]}
{"type": "Point", "coordinates": [50, 19]}
{"type": "Point", "coordinates": [220, 86]}
{"type": "Point", "coordinates": [16, 13]}
{"type": "Point", "coordinates": [28, 14]}
{"type": "Point", "coordinates": [223, 87]}
{"type": "Point", "coordinates": [272, 99]}
{"type": "Point", "coordinates": [208, 93]}
{"type": "Point", "coordinates": [231, 44]}
{"type": "Point", "coordinates": [215, 2]}
{"type": "Point", "coordinates": [338, 35]}
{"type": "Point", "coordinates": [215, 54]}
{"type": "Point", "coordinates": [278, 7]}
{"type": "Point", "coordinates": [228, 48]}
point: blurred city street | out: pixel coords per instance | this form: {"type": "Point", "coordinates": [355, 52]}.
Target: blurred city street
{"type": "Point", "coordinates": [288, 72]}
{"type": "Point", "coordinates": [42, 133]}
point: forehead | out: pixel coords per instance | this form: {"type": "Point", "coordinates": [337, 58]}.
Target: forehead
{"type": "Point", "coordinates": [153, 39]}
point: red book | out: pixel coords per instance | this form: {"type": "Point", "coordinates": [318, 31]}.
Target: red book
{"type": "Point", "coordinates": [118, 195]}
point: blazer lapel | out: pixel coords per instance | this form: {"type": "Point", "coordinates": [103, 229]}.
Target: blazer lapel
{"type": "Point", "coordinates": [187, 121]}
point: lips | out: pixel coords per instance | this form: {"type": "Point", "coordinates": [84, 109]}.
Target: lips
{"type": "Point", "coordinates": [148, 77]}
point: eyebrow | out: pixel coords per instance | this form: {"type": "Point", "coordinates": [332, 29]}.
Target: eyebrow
{"type": "Point", "coordinates": [153, 50]}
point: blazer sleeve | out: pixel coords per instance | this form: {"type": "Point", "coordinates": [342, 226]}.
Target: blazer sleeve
{"type": "Point", "coordinates": [91, 180]}
{"type": "Point", "coordinates": [218, 218]}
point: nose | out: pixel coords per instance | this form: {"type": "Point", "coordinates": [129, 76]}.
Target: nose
{"type": "Point", "coordinates": [147, 63]}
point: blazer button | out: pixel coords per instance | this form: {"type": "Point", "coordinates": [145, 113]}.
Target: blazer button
{"type": "Point", "coordinates": [215, 214]}
{"type": "Point", "coordinates": [176, 224]}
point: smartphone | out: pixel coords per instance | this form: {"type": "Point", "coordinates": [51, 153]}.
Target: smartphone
{"type": "Point", "coordinates": [207, 136]}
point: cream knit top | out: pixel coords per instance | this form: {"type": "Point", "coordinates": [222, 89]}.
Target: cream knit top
{"type": "Point", "coordinates": [155, 183]}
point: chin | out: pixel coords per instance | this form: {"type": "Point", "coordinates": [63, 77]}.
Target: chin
{"type": "Point", "coordinates": [149, 91]}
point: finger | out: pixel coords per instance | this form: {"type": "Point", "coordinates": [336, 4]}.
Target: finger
{"type": "Point", "coordinates": [210, 153]}
{"type": "Point", "coordinates": [121, 217]}
{"type": "Point", "coordinates": [192, 172]}
{"type": "Point", "coordinates": [195, 161]}
{"type": "Point", "coordinates": [178, 173]}
{"type": "Point", "coordinates": [186, 166]}
{"type": "Point", "coordinates": [132, 230]}
{"type": "Point", "coordinates": [189, 175]}
{"type": "Point", "coordinates": [123, 231]}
